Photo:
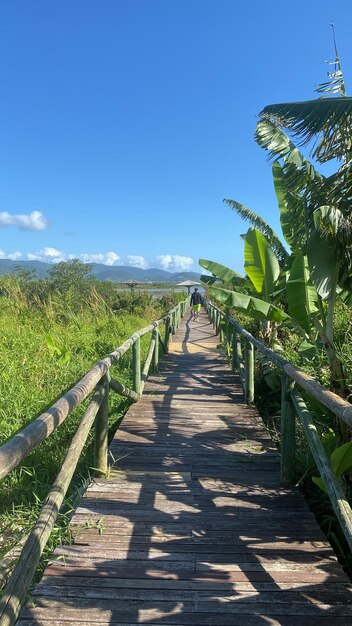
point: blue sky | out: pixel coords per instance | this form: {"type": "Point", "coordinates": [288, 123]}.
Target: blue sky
{"type": "Point", "coordinates": [124, 123]}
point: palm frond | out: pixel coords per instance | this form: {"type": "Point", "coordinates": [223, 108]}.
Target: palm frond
{"type": "Point", "coordinates": [258, 222]}
{"type": "Point", "coordinates": [325, 121]}
{"type": "Point", "coordinates": [270, 137]}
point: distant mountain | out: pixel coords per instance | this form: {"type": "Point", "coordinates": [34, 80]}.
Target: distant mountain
{"type": "Point", "coordinates": [116, 273]}
{"type": "Point", "coordinates": [41, 269]}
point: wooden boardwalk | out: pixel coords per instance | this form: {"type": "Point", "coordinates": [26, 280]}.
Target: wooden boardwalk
{"type": "Point", "coordinates": [192, 526]}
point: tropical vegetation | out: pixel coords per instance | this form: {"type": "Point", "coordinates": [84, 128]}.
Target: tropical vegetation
{"type": "Point", "coordinates": [52, 332]}
{"type": "Point", "coordinates": [298, 292]}
{"type": "Point", "coordinates": [297, 284]}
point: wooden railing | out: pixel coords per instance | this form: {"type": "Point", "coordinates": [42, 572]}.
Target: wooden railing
{"type": "Point", "coordinates": [242, 347]}
{"type": "Point", "coordinates": [97, 382]}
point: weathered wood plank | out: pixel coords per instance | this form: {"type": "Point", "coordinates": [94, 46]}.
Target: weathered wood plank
{"type": "Point", "coordinates": [192, 527]}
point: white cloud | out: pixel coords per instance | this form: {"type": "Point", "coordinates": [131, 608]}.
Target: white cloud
{"type": "Point", "coordinates": [48, 255]}
{"type": "Point", "coordinates": [52, 253]}
{"type": "Point", "coordinates": [164, 260]}
{"type": "Point", "coordinates": [138, 261]}
{"type": "Point", "coordinates": [34, 257]}
{"type": "Point", "coordinates": [29, 221]}
{"type": "Point", "coordinates": [109, 258]}
{"type": "Point", "coordinates": [174, 262]}
{"type": "Point", "coordinates": [12, 255]}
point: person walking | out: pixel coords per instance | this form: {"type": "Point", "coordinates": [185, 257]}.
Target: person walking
{"type": "Point", "coordinates": [196, 303]}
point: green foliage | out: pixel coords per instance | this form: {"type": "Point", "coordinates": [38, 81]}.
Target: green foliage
{"type": "Point", "coordinates": [301, 295]}
{"type": "Point", "coordinates": [340, 462]}
{"type": "Point", "coordinates": [46, 346]}
{"type": "Point", "coordinates": [254, 307]}
{"type": "Point", "coordinates": [257, 221]}
{"type": "Point", "coordinates": [220, 272]}
{"type": "Point", "coordinates": [60, 353]}
{"type": "Point", "coordinates": [69, 274]}
{"type": "Point", "coordinates": [260, 263]}
{"type": "Point", "coordinates": [323, 263]}
{"type": "Point", "coordinates": [329, 117]}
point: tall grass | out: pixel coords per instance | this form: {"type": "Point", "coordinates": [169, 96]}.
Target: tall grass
{"type": "Point", "coordinates": [48, 342]}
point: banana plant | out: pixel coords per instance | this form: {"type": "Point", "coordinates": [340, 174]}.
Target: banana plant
{"type": "Point", "coordinates": [263, 272]}
{"type": "Point", "coordinates": [305, 281]}
{"type": "Point", "coordinates": [260, 224]}
{"type": "Point", "coordinates": [315, 210]}
{"type": "Point", "coordinates": [321, 203]}
{"type": "Point", "coordinates": [340, 462]}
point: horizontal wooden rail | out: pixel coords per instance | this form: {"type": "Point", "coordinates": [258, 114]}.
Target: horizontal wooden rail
{"type": "Point", "coordinates": [23, 443]}
{"type": "Point", "coordinates": [338, 499]}
{"type": "Point", "coordinates": [122, 390]}
{"type": "Point", "coordinates": [330, 400]}
{"type": "Point", "coordinates": [148, 360]}
{"type": "Point", "coordinates": [19, 582]}
{"type": "Point", "coordinates": [292, 403]}
{"type": "Point", "coordinates": [18, 447]}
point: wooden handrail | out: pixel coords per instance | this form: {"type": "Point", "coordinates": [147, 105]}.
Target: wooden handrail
{"type": "Point", "coordinates": [19, 446]}
{"type": "Point", "coordinates": [338, 498]}
{"type": "Point", "coordinates": [330, 400]}
{"type": "Point", "coordinates": [25, 567]}
{"type": "Point", "coordinates": [292, 403]}
{"type": "Point", "coordinates": [24, 442]}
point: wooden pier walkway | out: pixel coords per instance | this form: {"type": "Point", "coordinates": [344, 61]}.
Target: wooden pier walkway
{"type": "Point", "coordinates": [192, 526]}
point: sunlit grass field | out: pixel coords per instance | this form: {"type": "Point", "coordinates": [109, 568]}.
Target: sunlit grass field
{"type": "Point", "coordinates": [45, 348]}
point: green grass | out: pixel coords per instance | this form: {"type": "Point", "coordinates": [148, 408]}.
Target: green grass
{"type": "Point", "coordinates": [46, 346]}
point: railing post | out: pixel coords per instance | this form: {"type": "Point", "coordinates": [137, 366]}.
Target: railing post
{"type": "Point", "coordinates": [288, 433]}
{"type": "Point", "coordinates": [177, 316]}
{"type": "Point", "coordinates": [249, 372]}
{"type": "Point", "coordinates": [156, 349]}
{"type": "Point", "coordinates": [227, 332]}
{"type": "Point", "coordinates": [101, 431]}
{"type": "Point", "coordinates": [216, 321]}
{"type": "Point", "coordinates": [136, 362]}
{"type": "Point", "coordinates": [221, 329]}
{"type": "Point", "coordinates": [167, 334]}
{"type": "Point", "coordinates": [234, 350]}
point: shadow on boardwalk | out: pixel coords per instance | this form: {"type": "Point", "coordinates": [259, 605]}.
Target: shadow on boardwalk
{"type": "Point", "coordinates": [192, 527]}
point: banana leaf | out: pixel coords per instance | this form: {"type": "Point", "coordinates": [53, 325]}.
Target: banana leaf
{"type": "Point", "coordinates": [220, 272]}
{"type": "Point", "coordinates": [291, 213]}
{"type": "Point", "coordinates": [301, 294]}
{"type": "Point", "coordinates": [330, 117]}
{"type": "Point", "coordinates": [208, 280]}
{"type": "Point", "coordinates": [323, 264]}
{"type": "Point", "coordinates": [260, 263]}
{"type": "Point", "coordinates": [257, 222]}
{"type": "Point", "coordinates": [254, 307]}
{"type": "Point", "coordinates": [340, 462]}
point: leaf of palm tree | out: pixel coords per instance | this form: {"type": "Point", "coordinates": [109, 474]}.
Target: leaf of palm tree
{"type": "Point", "coordinates": [326, 121]}
{"type": "Point", "coordinates": [258, 222]}
{"type": "Point", "coordinates": [220, 272]}
{"type": "Point", "coordinates": [269, 136]}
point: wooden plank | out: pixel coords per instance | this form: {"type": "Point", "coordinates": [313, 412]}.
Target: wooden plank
{"type": "Point", "coordinates": [96, 607]}
{"type": "Point", "coordinates": [192, 525]}
{"type": "Point", "coordinates": [184, 619]}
